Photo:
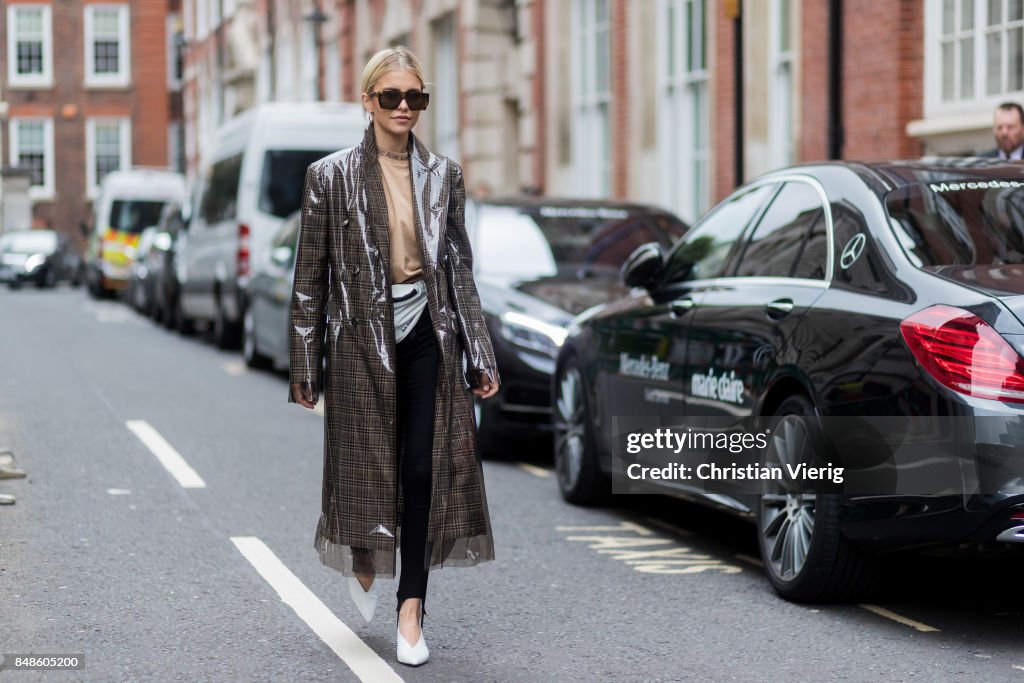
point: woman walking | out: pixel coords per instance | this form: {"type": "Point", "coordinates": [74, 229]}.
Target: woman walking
{"type": "Point", "coordinates": [384, 292]}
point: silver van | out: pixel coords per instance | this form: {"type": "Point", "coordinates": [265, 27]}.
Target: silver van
{"type": "Point", "coordinates": [250, 183]}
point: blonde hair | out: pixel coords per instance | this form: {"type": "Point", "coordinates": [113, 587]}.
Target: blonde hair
{"type": "Point", "coordinates": [398, 58]}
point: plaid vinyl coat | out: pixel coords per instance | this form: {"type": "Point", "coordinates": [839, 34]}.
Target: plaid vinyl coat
{"type": "Point", "coordinates": [341, 310]}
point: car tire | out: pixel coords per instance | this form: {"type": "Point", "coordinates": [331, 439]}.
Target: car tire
{"type": "Point", "coordinates": [580, 479]}
{"type": "Point", "coordinates": [250, 350]}
{"type": "Point", "coordinates": [49, 280]}
{"type": "Point", "coordinates": [225, 334]}
{"type": "Point", "coordinates": [185, 325]}
{"type": "Point", "coordinates": [805, 554]}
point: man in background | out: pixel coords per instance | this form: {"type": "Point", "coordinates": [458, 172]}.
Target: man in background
{"type": "Point", "coordinates": [1008, 129]}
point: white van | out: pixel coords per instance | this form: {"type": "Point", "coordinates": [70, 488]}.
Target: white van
{"type": "Point", "coordinates": [128, 202]}
{"type": "Point", "coordinates": [251, 182]}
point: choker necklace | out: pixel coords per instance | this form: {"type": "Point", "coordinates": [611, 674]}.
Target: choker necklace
{"type": "Point", "coordinates": [397, 156]}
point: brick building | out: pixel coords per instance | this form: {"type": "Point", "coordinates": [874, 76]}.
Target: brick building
{"type": "Point", "coordinates": [87, 88]}
{"type": "Point", "coordinates": [671, 102]}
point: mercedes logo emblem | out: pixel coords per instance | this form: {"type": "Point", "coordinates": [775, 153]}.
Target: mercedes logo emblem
{"type": "Point", "coordinates": [852, 251]}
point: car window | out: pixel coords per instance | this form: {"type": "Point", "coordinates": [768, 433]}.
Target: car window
{"type": "Point", "coordinates": [779, 237]}
{"type": "Point", "coordinates": [960, 223]}
{"type": "Point", "coordinates": [812, 261]}
{"type": "Point", "coordinates": [133, 215]}
{"type": "Point", "coordinates": [284, 173]}
{"type": "Point", "coordinates": [704, 252]}
{"type": "Point", "coordinates": [221, 193]}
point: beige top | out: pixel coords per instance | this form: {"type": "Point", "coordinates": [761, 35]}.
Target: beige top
{"type": "Point", "coordinates": [406, 264]}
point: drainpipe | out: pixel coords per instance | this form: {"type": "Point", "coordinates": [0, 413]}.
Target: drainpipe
{"type": "Point", "coordinates": [835, 79]}
{"type": "Point", "coordinates": [737, 94]}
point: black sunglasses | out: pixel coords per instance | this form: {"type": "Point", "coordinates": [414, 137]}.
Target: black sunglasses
{"type": "Point", "coordinates": [392, 99]}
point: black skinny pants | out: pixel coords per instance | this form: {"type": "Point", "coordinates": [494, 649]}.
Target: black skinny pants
{"type": "Point", "coordinates": [416, 377]}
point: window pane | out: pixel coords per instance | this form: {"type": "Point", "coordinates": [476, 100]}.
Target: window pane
{"type": "Point", "coordinates": [967, 68]}
{"type": "Point", "coordinates": [689, 36]}
{"type": "Point", "coordinates": [993, 63]}
{"type": "Point", "coordinates": [1015, 10]}
{"type": "Point", "coordinates": [30, 23]}
{"type": "Point", "coordinates": [1015, 55]}
{"type": "Point", "coordinates": [670, 32]}
{"type": "Point", "coordinates": [947, 17]}
{"type": "Point", "coordinates": [704, 251]}
{"type": "Point", "coordinates": [601, 73]}
{"type": "Point", "coordinates": [783, 25]}
{"type": "Point", "coordinates": [948, 74]}
{"type": "Point", "coordinates": [702, 32]}
{"type": "Point", "coordinates": [106, 57]}
{"type": "Point", "coordinates": [995, 12]}
{"type": "Point", "coordinates": [104, 23]}
{"type": "Point", "coordinates": [966, 15]}
{"type": "Point", "coordinates": [30, 136]}
{"type": "Point", "coordinates": [778, 239]}
{"type": "Point", "coordinates": [601, 10]}
{"type": "Point", "coordinates": [29, 57]}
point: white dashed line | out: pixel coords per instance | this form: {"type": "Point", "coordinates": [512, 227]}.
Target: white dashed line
{"type": "Point", "coordinates": [882, 612]}
{"type": "Point", "coordinates": [1018, 667]}
{"type": "Point", "coordinates": [165, 453]}
{"type": "Point", "coordinates": [534, 470]}
{"type": "Point", "coordinates": [235, 368]}
{"type": "Point", "coordinates": [119, 492]}
{"type": "Point", "coordinates": [357, 655]}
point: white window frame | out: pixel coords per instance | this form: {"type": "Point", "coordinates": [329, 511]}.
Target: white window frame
{"type": "Point", "coordinates": [14, 79]}
{"type": "Point", "coordinates": [683, 149]}
{"type": "Point", "coordinates": [124, 51]}
{"type": "Point", "coordinates": [125, 125]}
{"type": "Point", "coordinates": [445, 99]}
{"type": "Point", "coordinates": [781, 107]}
{"type": "Point", "coordinates": [591, 136]}
{"type": "Point", "coordinates": [46, 191]}
{"type": "Point", "coordinates": [980, 101]}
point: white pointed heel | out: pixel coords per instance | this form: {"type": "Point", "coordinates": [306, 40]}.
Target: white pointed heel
{"type": "Point", "coordinates": [413, 655]}
{"type": "Point", "coordinates": [366, 601]}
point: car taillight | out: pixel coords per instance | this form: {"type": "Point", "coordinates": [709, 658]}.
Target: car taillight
{"type": "Point", "coordinates": [243, 249]}
{"type": "Point", "coordinates": [965, 353]}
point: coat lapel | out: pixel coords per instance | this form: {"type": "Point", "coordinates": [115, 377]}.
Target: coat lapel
{"type": "Point", "coordinates": [376, 200]}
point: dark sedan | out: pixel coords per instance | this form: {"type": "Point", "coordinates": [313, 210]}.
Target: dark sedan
{"type": "Point", "coordinates": [814, 295]}
{"type": "Point", "coordinates": [265, 325]}
{"type": "Point", "coordinates": [42, 257]}
{"type": "Point", "coordinates": [539, 262]}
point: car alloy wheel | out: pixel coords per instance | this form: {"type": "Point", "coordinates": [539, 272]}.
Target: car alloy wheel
{"type": "Point", "coordinates": [805, 554]}
{"type": "Point", "coordinates": [580, 479]}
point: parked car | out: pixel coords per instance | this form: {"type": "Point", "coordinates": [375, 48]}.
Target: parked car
{"type": "Point", "coordinates": [128, 202]}
{"type": "Point", "coordinates": [265, 324]}
{"type": "Point", "coordinates": [251, 182]}
{"type": "Point", "coordinates": [162, 262]}
{"type": "Point", "coordinates": [140, 281]}
{"type": "Point", "coordinates": [843, 289]}
{"type": "Point", "coordinates": [537, 263]}
{"type": "Point", "coordinates": [42, 257]}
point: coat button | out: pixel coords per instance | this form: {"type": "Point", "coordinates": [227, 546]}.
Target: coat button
{"type": "Point", "coordinates": [355, 271]}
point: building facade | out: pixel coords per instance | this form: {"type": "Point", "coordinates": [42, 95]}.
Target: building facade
{"type": "Point", "coordinates": [671, 102]}
{"type": "Point", "coordinates": [87, 88]}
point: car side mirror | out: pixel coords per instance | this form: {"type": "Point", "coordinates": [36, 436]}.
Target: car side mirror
{"type": "Point", "coordinates": [643, 266]}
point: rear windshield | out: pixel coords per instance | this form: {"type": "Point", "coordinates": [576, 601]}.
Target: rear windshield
{"type": "Point", "coordinates": [132, 216]}
{"type": "Point", "coordinates": [284, 171]}
{"type": "Point", "coordinates": [29, 242]}
{"type": "Point", "coordinates": [960, 223]}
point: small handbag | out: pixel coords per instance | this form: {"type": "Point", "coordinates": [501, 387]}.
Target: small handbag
{"type": "Point", "coordinates": [409, 301]}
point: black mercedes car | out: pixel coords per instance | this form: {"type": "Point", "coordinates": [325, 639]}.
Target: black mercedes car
{"type": "Point", "coordinates": [537, 263]}
{"type": "Point", "coordinates": [42, 257]}
{"type": "Point", "coordinates": [821, 293]}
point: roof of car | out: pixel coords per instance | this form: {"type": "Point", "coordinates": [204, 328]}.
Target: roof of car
{"type": "Point", "coordinates": [902, 172]}
{"type": "Point", "coordinates": [537, 203]}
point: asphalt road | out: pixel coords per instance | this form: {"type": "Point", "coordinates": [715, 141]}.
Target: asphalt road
{"type": "Point", "coordinates": [107, 554]}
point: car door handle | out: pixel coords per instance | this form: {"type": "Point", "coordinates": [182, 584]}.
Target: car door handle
{"type": "Point", "coordinates": [681, 306]}
{"type": "Point", "coordinates": [779, 308]}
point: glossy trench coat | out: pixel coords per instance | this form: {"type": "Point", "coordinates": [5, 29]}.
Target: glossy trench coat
{"type": "Point", "coordinates": [341, 310]}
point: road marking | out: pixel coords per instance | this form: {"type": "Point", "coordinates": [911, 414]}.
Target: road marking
{"type": "Point", "coordinates": [357, 655]}
{"type": "Point", "coordinates": [882, 612]}
{"type": "Point", "coordinates": [1018, 666]}
{"type": "Point", "coordinates": [235, 368]}
{"type": "Point", "coordinates": [534, 470]}
{"type": "Point", "coordinates": [750, 560]}
{"type": "Point", "coordinates": [621, 526]}
{"type": "Point", "coordinates": [119, 492]}
{"type": "Point", "coordinates": [648, 554]}
{"type": "Point", "coordinates": [165, 453]}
